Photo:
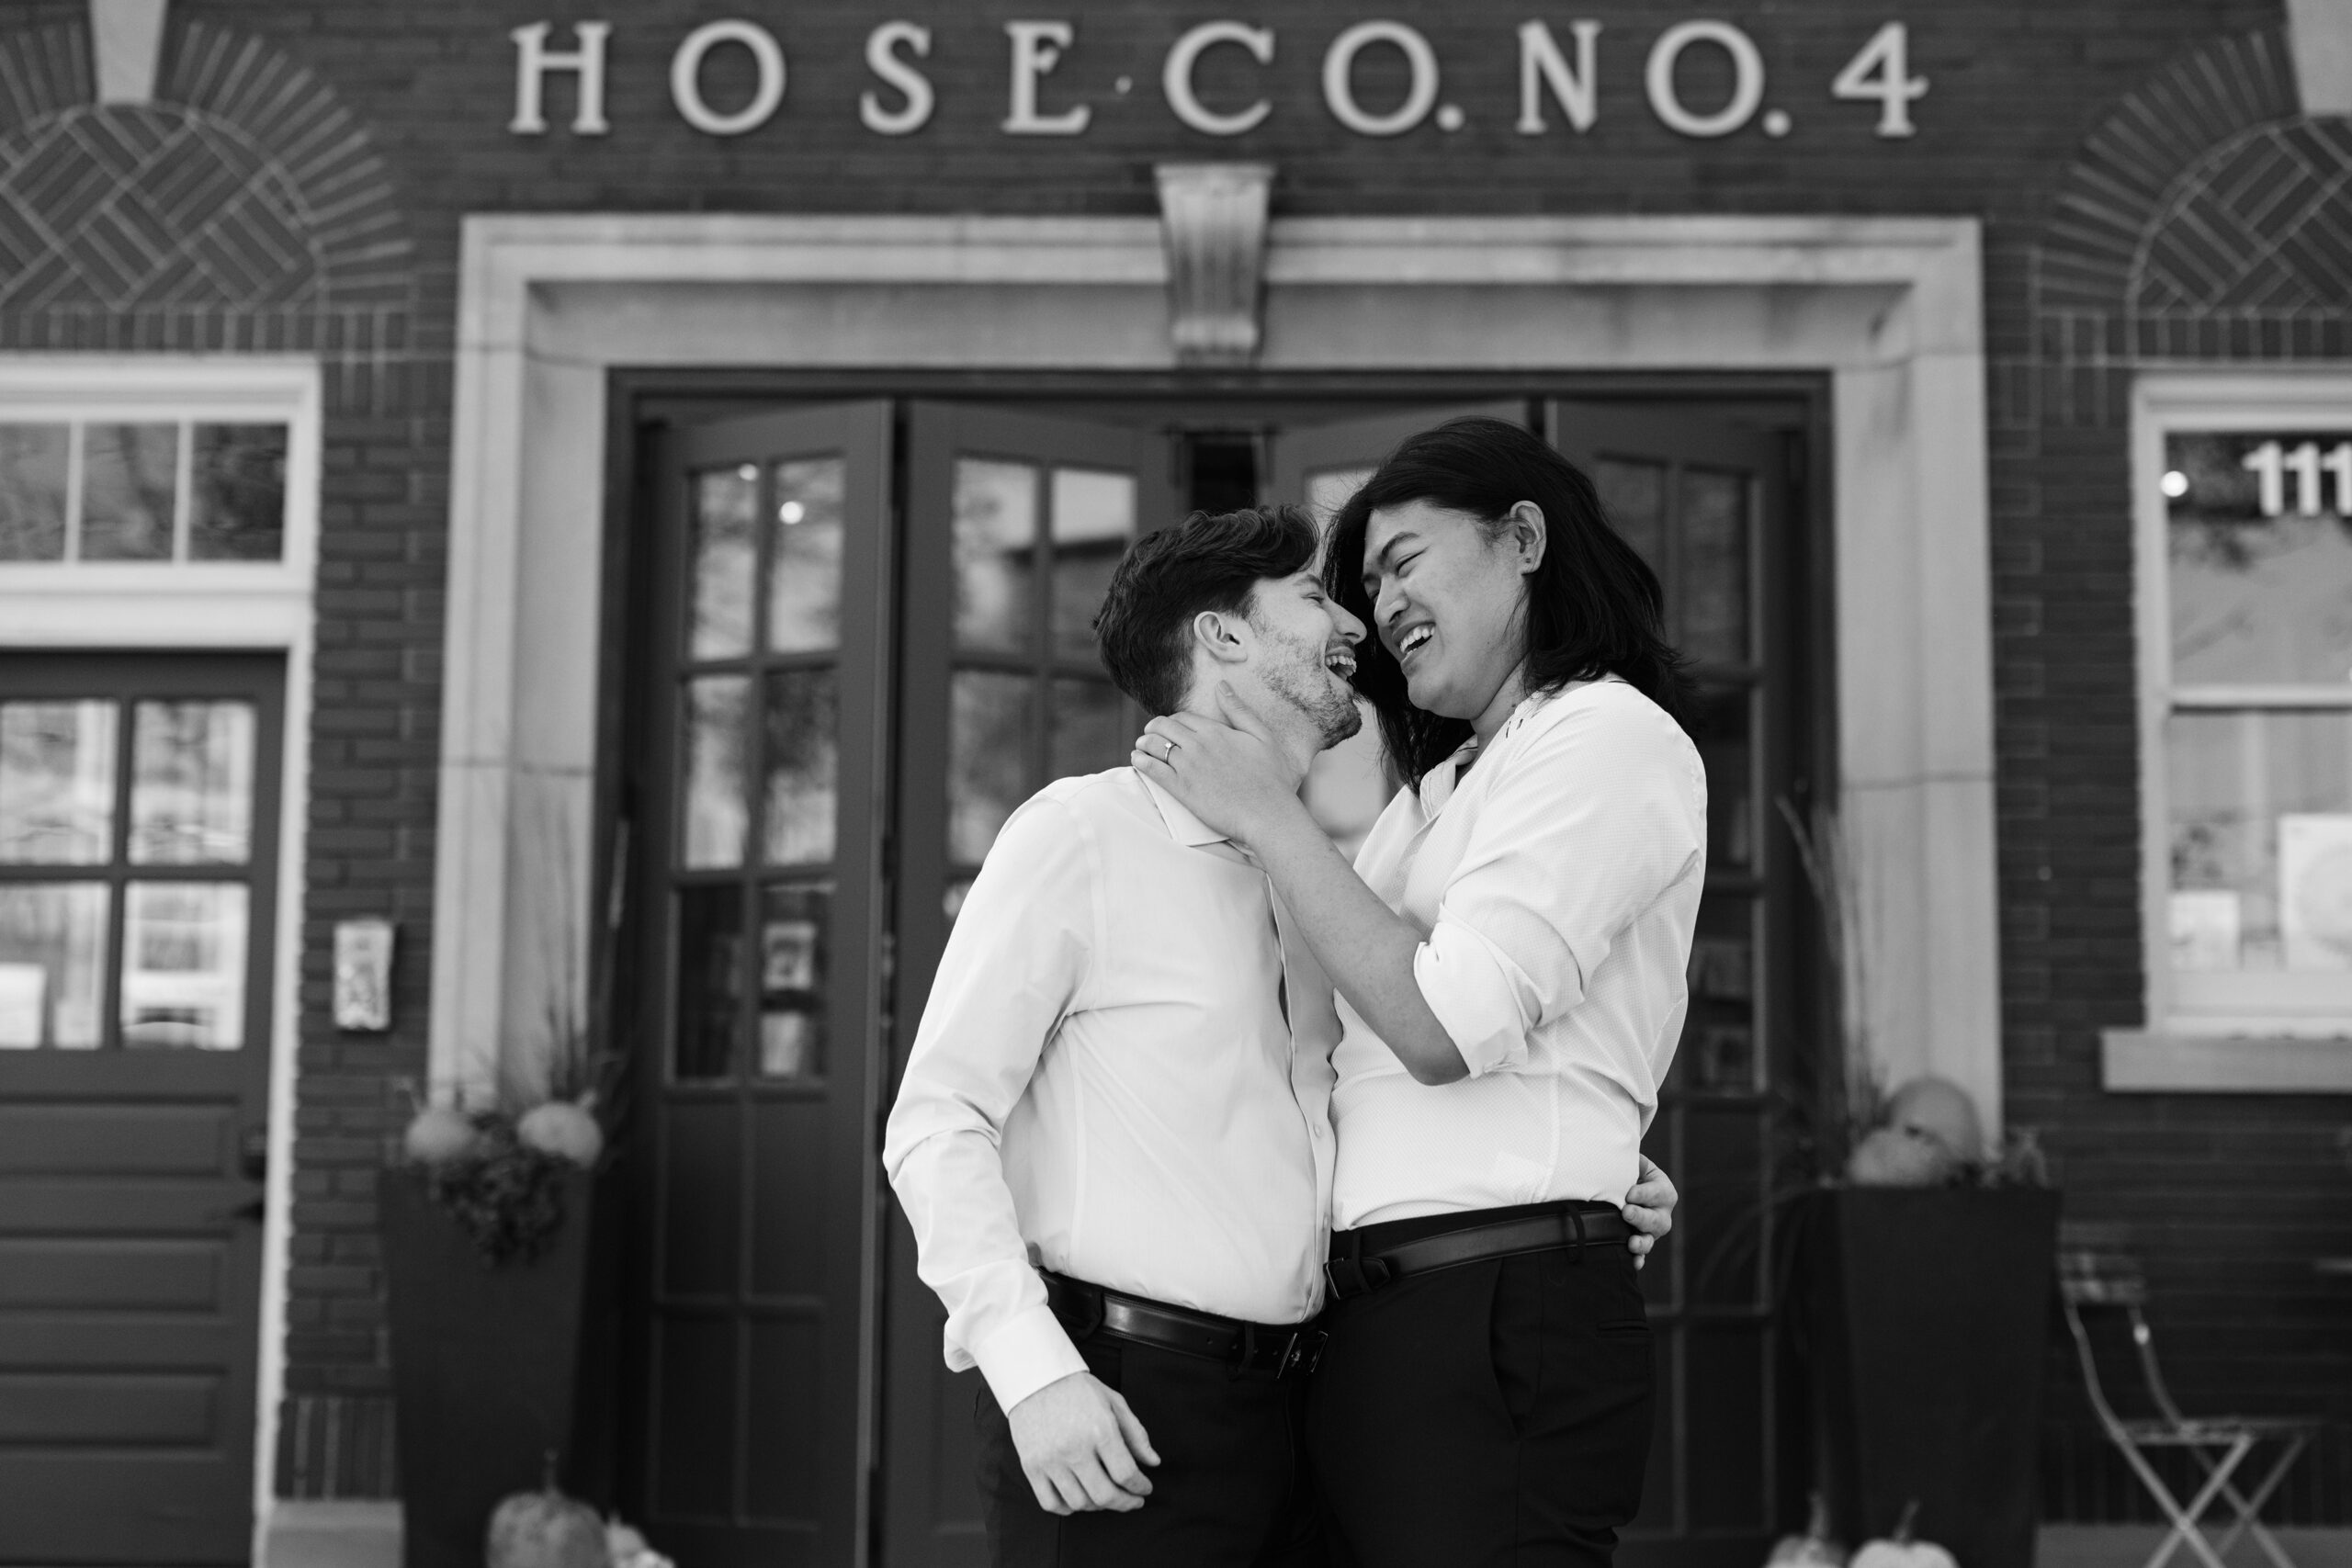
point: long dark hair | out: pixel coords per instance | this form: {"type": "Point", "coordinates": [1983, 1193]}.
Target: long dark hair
{"type": "Point", "coordinates": [1593, 607]}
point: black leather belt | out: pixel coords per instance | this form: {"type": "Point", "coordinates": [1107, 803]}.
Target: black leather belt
{"type": "Point", "coordinates": [1252, 1348]}
{"type": "Point", "coordinates": [1363, 1260]}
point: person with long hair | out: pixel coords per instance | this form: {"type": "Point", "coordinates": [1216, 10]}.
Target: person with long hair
{"type": "Point", "coordinates": [1508, 953]}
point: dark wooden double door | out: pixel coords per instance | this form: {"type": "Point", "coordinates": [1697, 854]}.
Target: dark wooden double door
{"type": "Point", "coordinates": [863, 638]}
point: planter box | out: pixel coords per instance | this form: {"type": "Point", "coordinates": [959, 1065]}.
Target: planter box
{"type": "Point", "coordinates": [1929, 1313]}
{"type": "Point", "coordinates": [487, 1365]}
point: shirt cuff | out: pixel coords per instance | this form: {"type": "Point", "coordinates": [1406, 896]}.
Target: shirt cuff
{"type": "Point", "coordinates": [1025, 1355]}
{"type": "Point", "coordinates": [1471, 989]}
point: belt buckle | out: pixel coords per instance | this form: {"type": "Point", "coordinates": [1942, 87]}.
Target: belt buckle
{"type": "Point", "coordinates": [1303, 1353]}
{"type": "Point", "coordinates": [1356, 1276]}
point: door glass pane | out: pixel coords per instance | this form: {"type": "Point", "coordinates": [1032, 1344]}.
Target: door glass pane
{"type": "Point", "coordinates": [192, 784]}
{"type": "Point", "coordinates": [711, 983]}
{"type": "Point", "coordinates": [33, 459]}
{"type": "Point", "coordinates": [805, 556]}
{"type": "Point", "coordinates": [53, 963]}
{"type": "Point", "coordinates": [128, 475]}
{"type": "Point", "coordinates": [1721, 1153]}
{"type": "Point", "coordinates": [2261, 839]}
{"type": "Point", "coordinates": [996, 542]}
{"type": "Point", "coordinates": [1718, 1053]}
{"type": "Point", "coordinates": [793, 943]}
{"type": "Point", "coordinates": [57, 783]}
{"type": "Point", "coordinates": [184, 964]}
{"type": "Point", "coordinates": [236, 504]}
{"type": "Point", "coordinates": [1633, 495]}
{"type": "Point", "coordinates": [1327, 491]}
{"type": "Point", "coordinates": [803, 721]}
{"type": "Point", "coordinates": [1714, 562]}
{"type": "Point", "coordinates": [991, 719]}
{"type": "Point", "coordinates": [1090, 729]}
{"type": "Point", "coordinates": [1094, 515]}
{"type": "Point", "coordinates": [725, 504]}
{"type": "Point", "coordinates": [715, 818]}
{"type": "Point", "coordinates": [2255, 599]}
{"type": "Point", "coordinates": [1719, 723]}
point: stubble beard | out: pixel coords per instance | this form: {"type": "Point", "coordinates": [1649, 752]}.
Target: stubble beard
{"type": "Point", "coordinates": [1301, 678]}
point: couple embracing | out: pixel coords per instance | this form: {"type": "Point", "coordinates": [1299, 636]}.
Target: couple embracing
{"type": "Point", "coordinates": [1291, 1210]}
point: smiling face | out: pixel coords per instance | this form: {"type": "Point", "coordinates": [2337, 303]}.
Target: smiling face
{"type": "Point", "coordinates": [1448, 594]}
{"type": "Point", "coordinates": [1303, 655]}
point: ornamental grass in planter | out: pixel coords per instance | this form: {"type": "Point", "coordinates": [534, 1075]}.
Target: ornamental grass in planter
{"type": "Point", "coordinates": [502, 1334]}
{"type": "Point", "coordinates": [1923, 1271]}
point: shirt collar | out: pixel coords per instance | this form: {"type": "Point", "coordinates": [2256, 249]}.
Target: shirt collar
{"type": "Point", "coordinates": [1183, 826]}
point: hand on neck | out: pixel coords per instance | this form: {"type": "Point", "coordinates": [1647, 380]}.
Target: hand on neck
{"type": "Point", "coordinates": [1291, 732]}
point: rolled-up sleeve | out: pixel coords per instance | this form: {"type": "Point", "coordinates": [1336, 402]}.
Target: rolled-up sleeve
{"type": "Point", "coordinates": [1588, 823]}
{"type": "Point", "coordinates": [1016, 962]}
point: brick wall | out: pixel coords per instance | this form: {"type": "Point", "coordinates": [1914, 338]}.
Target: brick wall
{"type": "Point", "coordinates": [2040, 117]}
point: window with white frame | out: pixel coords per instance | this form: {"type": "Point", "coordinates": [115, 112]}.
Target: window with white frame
{"type": "Point", "coordinates": [2244, 501]}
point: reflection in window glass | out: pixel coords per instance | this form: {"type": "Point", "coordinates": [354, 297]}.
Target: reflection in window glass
{"type": "Point", "coordinates": [128, 475]}
{"type": "Point", "coordinates": [57, 783]}
{"type": "Point", "coordinates": [725, 507]}
{"type": "Point", "coordinates": [1090, 730]}
{"type": "Point", "coordinates": [715, 821]}
{"type": "Point", "coordinates": [991, 719]}
{"type": "Point", "coordinates": [184, 964]}
{"type": "Point", "coordinates": [805, 556]}
{"type": "Point", "coordinates": [710, 981]}
{"type": "Point", "coordinates": [803, 727]}
{"type": "Point", "coordinates": [192, 783]}
{"type": "Point", "coordinates": [2258, 601]}
{"type": "Point", "coordinates": [2261, 839]}
{"type": "Point", "coordinates": [793, 943]}
{"type": "Point", "coordinates": [1633, 495]}
{"type": "Point", "coordinates": [33, 459]}
{"type": "Point", "coordinates": [1714, 566]}
{"type": "Point", "coordinates": [996, 542]}
{"type": "Point", "coordinates": [236, 504]}
{"type": "Point", "coordinates": [52, 964]}
{"type": "Point", "coordinates": [1094, 515]}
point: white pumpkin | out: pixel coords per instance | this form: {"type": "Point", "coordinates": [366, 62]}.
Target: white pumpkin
{"type": "Point", "coordinates": [1899, 1551]}
{"type": "Point", "coordinates": [562, 1128]}
{"type": "Point", "coordinates": [439, 1134]}
{"type": "Point", "coordinates": [545, 1529]}
{"type": "Point", "coordinates": [1937, 1108]}
{"type": "Point", "coordinates": [1815, 1549]}
{"type": "Point", "coordinates": [1891, 1157]}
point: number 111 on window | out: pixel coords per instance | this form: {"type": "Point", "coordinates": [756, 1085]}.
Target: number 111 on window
{"type": "Point", "coordinates": [2272, 463]}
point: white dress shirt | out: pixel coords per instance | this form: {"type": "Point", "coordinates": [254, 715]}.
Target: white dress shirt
{"type": "Point", "coordinates": [1555, 884]}
{"type": "Point", "coordinates": [1105, 1072]}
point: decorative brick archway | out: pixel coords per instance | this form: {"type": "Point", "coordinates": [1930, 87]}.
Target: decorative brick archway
{"type": "Point", "coordinates": [241, 207]}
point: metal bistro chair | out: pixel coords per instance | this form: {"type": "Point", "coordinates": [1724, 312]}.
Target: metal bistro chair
{"type": "Point", "coordinates": [2103, 1283]}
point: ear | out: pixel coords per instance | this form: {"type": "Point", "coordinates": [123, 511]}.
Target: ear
{"type": "Point", "coordinates": [1224, 638]}
{"type": "Point", "coordinates": [1526, 533]}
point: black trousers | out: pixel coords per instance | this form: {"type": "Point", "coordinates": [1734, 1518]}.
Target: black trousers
{"type": "Point", "coordinates": [1495, 1415]}
{"type": "Point", "coordinates": [1231, 1486]}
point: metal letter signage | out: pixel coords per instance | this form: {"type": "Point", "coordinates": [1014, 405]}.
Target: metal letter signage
{"type": "Point", "coordinates": [1036, 50]}
{"type": "Point", "coordinates": [1540, 66]}
{"type": "Point", "coordinates": [1339, 79]}
{"type": "Point", "coordinates": [686, 77]}
{"type": "Point", "coordinates": [1176, 76]}
{"type": "Point", "coordinates": [1747, 78]}
{"type": "Point", "coordinates": [1559, 69]}
{"type": "Point", "coordinates": [881, 58]}
{"type": "Point", "coordinates": [534, 60]}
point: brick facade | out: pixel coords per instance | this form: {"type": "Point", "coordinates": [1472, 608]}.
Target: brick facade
{"type": "Point", "coordinates": [2103, 144]}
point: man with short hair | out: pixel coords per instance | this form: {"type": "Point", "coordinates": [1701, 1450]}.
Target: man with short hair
{"type": "Point", "coordinates": [1113, 1138]}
